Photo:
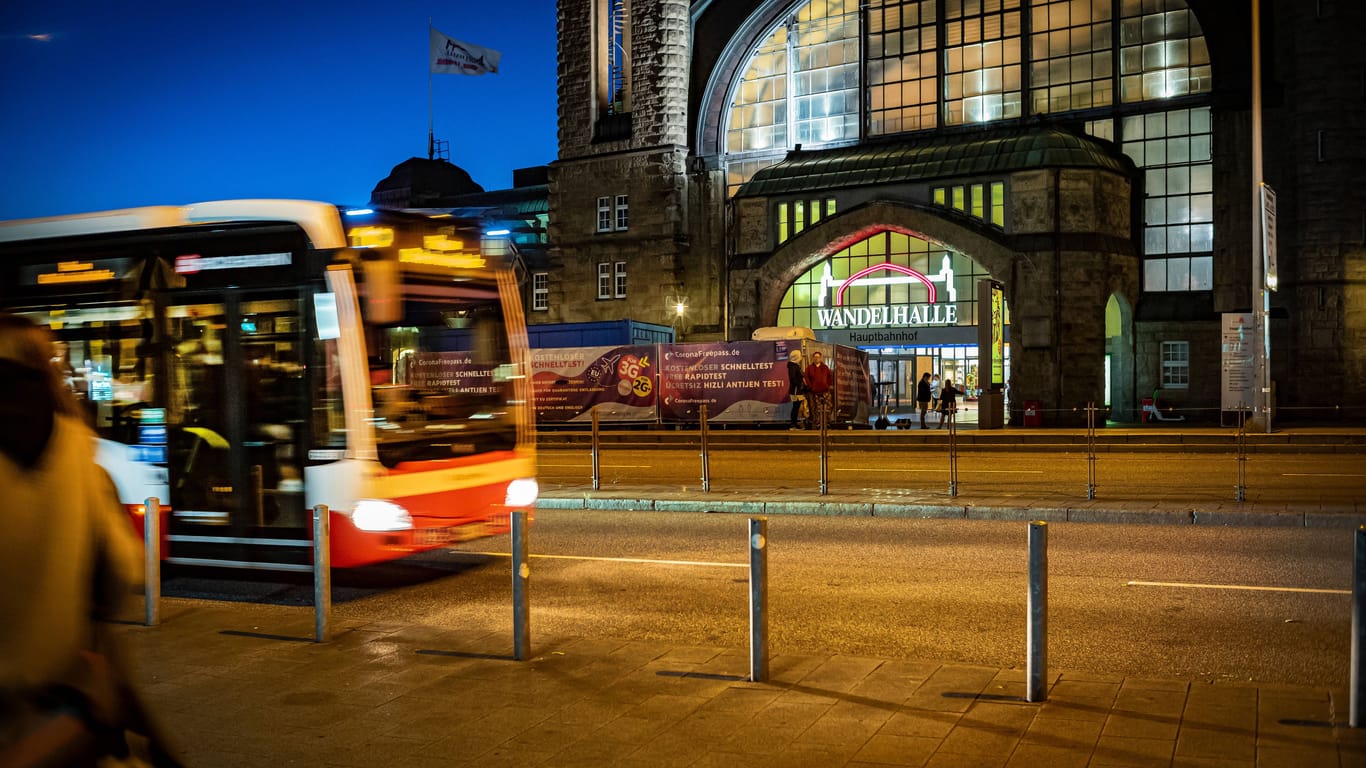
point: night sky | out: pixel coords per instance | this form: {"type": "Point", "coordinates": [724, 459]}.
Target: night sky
{"type": "Point", "coordinates": [113, 105]}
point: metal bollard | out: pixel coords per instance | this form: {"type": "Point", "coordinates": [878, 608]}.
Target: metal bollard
{"type": "Point", "coordinates": [521, 575]}
{"type": "Point", "coordinates": [953, 458]}
{"type": "Point", "coordinates": [1240, 491]}
{"type": "Point", "coordinates": [597, 459]}
{"type": "Point", "coordinates": [825, 456]}
{"type": "Point", "coordinates": [706, 458]}
{"type": "Point", "coordinates": [1091, 450]}
{"type": "Point", "coordinates": [322, 573]}
{"type": "Point", "coordinates": [758, 599]}
{"type": "Point", "coordinates": [1037, 633]}
{"type": "Point", "coordinates": [1357, 687]}
{"type": "Point", "coordinates": [151, 541]}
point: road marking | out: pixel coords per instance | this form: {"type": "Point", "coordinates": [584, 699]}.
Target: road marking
{"type": "Point", "coordinates": [1238, 586]}
{"type": "Point", "coordinates": [604, 466]}
{"type": "Point", "coordinates": [646, 561]}
{"type": "Point", "coordinates": [941, 471]}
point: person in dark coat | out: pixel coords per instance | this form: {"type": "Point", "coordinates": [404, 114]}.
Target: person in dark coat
{"type": "Point", "coordinates": [796, 386]}
{"type": "Point", "coordinates": [923, 395]}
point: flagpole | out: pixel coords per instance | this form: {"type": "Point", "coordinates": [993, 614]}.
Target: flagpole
{"type": "Point", "coordinates": [431, 139]}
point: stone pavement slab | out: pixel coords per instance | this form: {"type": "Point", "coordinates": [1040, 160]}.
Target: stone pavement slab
{"type": "Point", "coordinates": [244, 685]}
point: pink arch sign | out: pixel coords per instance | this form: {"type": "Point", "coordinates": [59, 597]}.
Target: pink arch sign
{"type": "Point", "coordinates": [888, 266]}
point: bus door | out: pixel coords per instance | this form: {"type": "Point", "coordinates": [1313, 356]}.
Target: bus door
{"type": "Point", "coordinates": [237, 422]}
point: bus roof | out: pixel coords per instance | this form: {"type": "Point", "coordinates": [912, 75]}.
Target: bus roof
{"type": "Point", "coordinates": [320, 221]}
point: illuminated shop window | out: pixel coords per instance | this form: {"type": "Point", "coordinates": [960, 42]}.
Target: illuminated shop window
{"type": "Point", "coordinates": [953, 275]}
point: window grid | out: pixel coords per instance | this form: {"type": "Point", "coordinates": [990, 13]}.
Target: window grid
{"type": "Point", "coordinates": [1176, 364]}
{"type": "Point", "coordinates": [903, 66]}
{"type": "Point", "coordinates": [981, 61]}
{"type": "Point", "coordinates": [825, 81]}
{"type": "Point", "coordinates": [604, 214]}
{"type": "Point", "coordinates": [621, 280]}
{"type": "Point", "coordinates": [973, 200]}
{"type": "Point", "coordinates": [1162, 51]}
{"type": "Point", "coordinates": [604, 280]}
{"type": "Point", "coordinates": [1071, 55]}
{"type": "Point", "coordinates": [540, 291]}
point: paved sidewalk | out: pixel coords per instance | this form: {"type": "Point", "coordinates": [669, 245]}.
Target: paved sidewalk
{"type": "Point", "coordinates": [244, 685]}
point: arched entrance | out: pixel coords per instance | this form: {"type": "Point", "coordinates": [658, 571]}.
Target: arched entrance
{"type": "Point", "coordinates": [1119, 359]}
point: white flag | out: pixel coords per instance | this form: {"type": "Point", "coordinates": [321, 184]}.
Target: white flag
{"type": "Point", "coordinates": [452, 57]}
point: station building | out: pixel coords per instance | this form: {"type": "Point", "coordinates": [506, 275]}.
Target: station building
{"type": "Point", "coordinates": [863, 169]}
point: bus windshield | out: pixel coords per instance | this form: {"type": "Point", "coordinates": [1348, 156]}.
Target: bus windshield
{"type": "Point", "coordinates": [441, 377]}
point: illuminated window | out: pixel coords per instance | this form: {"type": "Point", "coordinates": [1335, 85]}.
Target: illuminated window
{"type": "Point", "coordinates": [998, 203]}
{"type": "Point", "coordinates": [1071, 55]}
{"type": "Point", "coordinates": [958, 201]}
{"type": "Point", "coordinates": [1176, 364]}
{"type": "Point", "coordinates": [902, 52]}
{"type": "Point", "coordinates": [604, 280]}
{"type": "Point", "coordinates": [1174, 150]}
{"type": "Point", "coordinates": [981, 61]}
{"type": "Point", "coordinates": [800, 86]}
{"type": "Point", "coordinates": [540, 291]}
{"type": "Point", "coordinates": [1162, 52]}
{"type": "Point", "coordinates": [978, 201]}
{"type": "Point", "coordinates": [782, 222]}
{"type": "Point", "coordinates": [941, 196]}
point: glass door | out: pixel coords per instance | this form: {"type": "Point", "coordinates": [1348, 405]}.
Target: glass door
{"type": "Point", "coordinates": [237, 414]}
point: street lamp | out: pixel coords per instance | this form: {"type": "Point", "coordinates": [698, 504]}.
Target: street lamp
{"type": "Point", "coordinates": [1263, 201]}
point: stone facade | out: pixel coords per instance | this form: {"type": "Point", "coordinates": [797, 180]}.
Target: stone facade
{"type": "Point", "coordinates": [1072, 241]}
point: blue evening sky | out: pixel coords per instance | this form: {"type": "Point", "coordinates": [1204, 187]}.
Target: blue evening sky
{"type": "Point", "coordinates": [151, 102]}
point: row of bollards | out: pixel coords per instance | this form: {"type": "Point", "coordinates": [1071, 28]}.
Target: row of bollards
{"type": "Point", "coordinates": [1036, 634]}
{"type": "Point", "coordinates": [322, 567]}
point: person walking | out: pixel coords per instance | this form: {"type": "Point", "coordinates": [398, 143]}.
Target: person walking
{"type": "Point", "coordinates": [819, 378]}
{"type": "Point", "coordinates": [68, 542]}
{"type": "Point", "coordinates": [948, 403]}
{"type": "Point", "coordinates": [923, 397]}
{"type": "Point", "coordinates": [796, 387]}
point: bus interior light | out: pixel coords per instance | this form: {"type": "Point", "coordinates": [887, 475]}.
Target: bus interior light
{"type": "Point", "coordinates": [380, 515]}
{"type": "Point", "coordinates": [522, 492]}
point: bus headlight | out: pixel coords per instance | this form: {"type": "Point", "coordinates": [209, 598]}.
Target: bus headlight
{"type": "Point", "coordinates": [522, 492]}
{"type": "Point", "coordinates": [378, 515]}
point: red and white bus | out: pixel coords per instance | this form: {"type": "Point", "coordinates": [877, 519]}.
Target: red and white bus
{"type": "Point", "coordinates": [245, 360]}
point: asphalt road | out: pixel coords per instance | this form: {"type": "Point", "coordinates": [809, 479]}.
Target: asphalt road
{"type": "Point", "coordinates": [1268, 605]}
{"type": "Point", "coordinates": [1316, 478]}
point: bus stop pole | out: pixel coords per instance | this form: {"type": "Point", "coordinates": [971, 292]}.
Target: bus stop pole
{"type": "Point", "coordinates": [322, 573]}
{"type": "Point", "coordinates": [151, 539]}
{"type": "Point", "coordinates": [758, 599]}
{"type": "Point", "coordinates": [1037, 632]}
{"type": "Point", "coordinates": [1357, 687]}
{"type": "Point", "coordinates": [521, 575]}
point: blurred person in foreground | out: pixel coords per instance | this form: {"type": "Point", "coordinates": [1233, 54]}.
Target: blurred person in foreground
{"type": "Point", "coordinates": [68, 558]}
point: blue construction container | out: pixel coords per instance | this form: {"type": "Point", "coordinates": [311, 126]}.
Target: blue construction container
{"type": "Point", "coordinates": [600, 333]}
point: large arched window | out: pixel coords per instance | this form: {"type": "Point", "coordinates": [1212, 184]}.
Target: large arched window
{"type": "Point", "coordinates": [1137, 71]}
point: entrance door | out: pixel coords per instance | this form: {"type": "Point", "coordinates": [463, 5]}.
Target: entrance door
{"type": "Point", "coordinates": [236, 421]}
